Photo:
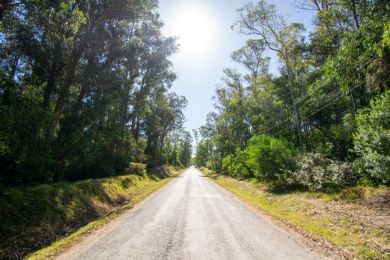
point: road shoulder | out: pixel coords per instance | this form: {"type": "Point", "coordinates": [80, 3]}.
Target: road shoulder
{"type": "Point", "coordinates": [91, 232]}
{"type": "Point", "coordinates": [332, 228]}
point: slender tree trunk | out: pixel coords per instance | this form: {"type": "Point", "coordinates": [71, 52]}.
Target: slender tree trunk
{"type": "Point", "coordinates": [125, 104]}
{"type": "Point", "coordinates": [341, 141]}
{"type": "Point", "coordinates": [354, 13]}
{"type": "Point", "coordinates": [11, 76]}
{"type": "Point", "coordinates": [52, 75]}
{"type": "Point", "coordinates": [77, 107]}
{"type": "Point", "coordinates": [353, 100]}
{"type": "Point", "coordinates": [297, 114]}
{"type": "Point", "coordinates": [13, 68]}
{"type": "Point", "coordinates": [141, 93]}
{"type": "Point", "coordinates": [64, 93]}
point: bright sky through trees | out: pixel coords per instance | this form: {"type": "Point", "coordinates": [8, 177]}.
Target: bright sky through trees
{"type": "Point", "coordinates": [203, 28]}
{"type": "Point", "coordinates": [196, 29]}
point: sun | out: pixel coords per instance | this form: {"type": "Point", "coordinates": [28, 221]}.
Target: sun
{"type": "Point", "coordinates": [195, 28]}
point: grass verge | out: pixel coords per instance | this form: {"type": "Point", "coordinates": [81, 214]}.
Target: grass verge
{"type": "Point", "coordinates": [33, 217]}
{"type": "Point", "coordinates": [356, 220]}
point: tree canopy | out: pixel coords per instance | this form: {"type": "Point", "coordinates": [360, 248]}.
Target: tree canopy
{"type": "Point", "coordinates": [84, 90]}
{"type": "Point", "coordinates": [316, 106]}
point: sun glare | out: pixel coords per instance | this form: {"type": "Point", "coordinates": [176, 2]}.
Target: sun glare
{"type": "Point", "coordinates": [195, 29]}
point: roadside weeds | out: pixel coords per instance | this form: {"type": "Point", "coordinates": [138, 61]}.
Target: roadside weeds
{"type": "Point", "coordinates": [51, 218]}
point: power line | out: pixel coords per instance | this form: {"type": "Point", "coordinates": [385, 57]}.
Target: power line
{"type": "Point", "coordinates": [316, 89]}
{"type": "Point", "coordinates": [330, 103]}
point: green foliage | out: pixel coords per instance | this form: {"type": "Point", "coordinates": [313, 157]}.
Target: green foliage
{"type": "Point", "coordinates": [82, 94]}
{"type": "Point", "coordinates": [236, 165]}
{"type": "Point", "coordinates": [269, 157]}
{"type": "Point", "coordinates": [372, 140]}
{"type": "Point", "coordinates": [384, 44]}
{"type": "Point", "coordinates": [240, 167]}
{"type": "Point", "coordinates": [202, 155]}
{"type": "Point", "coordinates": [136, 168]}
{"type": "Point", "coordinates": [32, 217]}
{"type": "Point", "coordinates": [185, 153]}
{"type": "Point", "coordinates": [313, 101]}
{"type": "Point", "coordinates": [227, 165]}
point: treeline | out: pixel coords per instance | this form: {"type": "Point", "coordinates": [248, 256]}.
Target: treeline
{"type": "Point", "coordinates": [84, 90]}
{"type": "Point", "coordinates": [323, 122]}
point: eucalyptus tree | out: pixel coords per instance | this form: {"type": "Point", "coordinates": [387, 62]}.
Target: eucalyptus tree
{"type": "Point", "coordinates": [252, 56]}
{"type": "Point", "coordinates": [262, 20]}
{"type": "Point", "coordinates": [163, 115]}
{"type": "Point", "coordinates": [185, 154]}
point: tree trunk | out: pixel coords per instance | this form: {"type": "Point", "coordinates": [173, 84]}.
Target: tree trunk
{"type": "Point", "coordinates": [64, 93]}
{"type": "Point", "coordinates": [77, 107]}
{"type": "Point", "coordinates": [297, 114]}
{"type": "Point", "coordinates": [341, 141]}
{"type": "Point", "coordinates": [353, 100]}
{"type": "Point", "coordinates": [52, 75]}
{"type": "Point", "coordinates": [125, 105]}
{"type": "Point", "coordinates": [354, 12]}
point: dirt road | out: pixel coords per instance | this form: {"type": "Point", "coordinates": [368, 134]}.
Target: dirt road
{"type": "Point", "coordinates": [190, 218]}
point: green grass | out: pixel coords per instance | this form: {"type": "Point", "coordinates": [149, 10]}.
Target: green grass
{"type": "Point", "coordinates": [334, 217]}
{"type": "Point", "coordinates": [34, 217]}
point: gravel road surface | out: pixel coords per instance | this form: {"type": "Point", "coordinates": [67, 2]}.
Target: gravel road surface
{"type": "Point", "coordinates": [190, 218]}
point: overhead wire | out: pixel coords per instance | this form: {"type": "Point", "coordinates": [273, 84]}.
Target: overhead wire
{"type": "Point", "coordinates": [301, 99]}
{"type": "Point", "coordinates": [323, 107]}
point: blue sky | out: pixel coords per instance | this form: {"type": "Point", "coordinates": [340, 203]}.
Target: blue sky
{"type": "Point", "coordinates": [199, 64]}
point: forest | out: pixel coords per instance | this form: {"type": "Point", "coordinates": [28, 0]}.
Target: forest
{"type": "Point", "coordinates": [85, 91]}
{"type": "Point", "coordinates": [95, 143]}
{"type": "Point", "coordinates": [322, 122]}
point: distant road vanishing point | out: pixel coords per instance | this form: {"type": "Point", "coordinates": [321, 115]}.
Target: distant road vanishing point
{"type": "Point", "coordinates": [190, 218]}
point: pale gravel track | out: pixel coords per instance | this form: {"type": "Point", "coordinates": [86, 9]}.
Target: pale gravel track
{"type": "Point", "coordinates": [190, 218]}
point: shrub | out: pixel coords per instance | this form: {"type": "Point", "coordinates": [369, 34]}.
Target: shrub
{"type": "Point", "coordinates": [269, 157]}
{"type": "Point", "coordinates": [372, 140]}
{"type": "Point", "coordinates": [227, 165]}
{"type": "Point", "coordinates": [235, 165]}
{"type": "Point", "coordinates": [136, 168]}
{"type": "Point", "coordinates": [316, 172]}
{"type": "Point", "coordinates": [240, 167]}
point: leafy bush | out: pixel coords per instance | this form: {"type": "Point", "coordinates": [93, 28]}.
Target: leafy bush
{"type": "Point", "coordinates": [316, 172]}
{"type": "Point", "coordinates": [136, 168]}
{"type": "Point", "coordinates": [240, 167]}
{"type": "Point", "coordinates": [269, 157]}
{"type": "Point", "coordinates": [227, 164]}
{"type": "Point", "coordinates": [235, 165]}
{"type": "Point", "coordinates": [372, 140]}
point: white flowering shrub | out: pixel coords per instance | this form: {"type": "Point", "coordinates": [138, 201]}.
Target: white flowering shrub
{"type": "Point", "coordinates": [316, 172]}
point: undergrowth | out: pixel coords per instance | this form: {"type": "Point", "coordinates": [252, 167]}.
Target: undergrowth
{"type": "Point", "coordinates": [32, 217]}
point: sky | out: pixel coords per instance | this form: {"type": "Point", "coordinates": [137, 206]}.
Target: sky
{"type": "Point", "coordinates": [206, 40]}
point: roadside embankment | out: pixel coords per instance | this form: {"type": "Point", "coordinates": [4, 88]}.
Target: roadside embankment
{"type": "Point", "coordinates": [33, 217]}
{"type": "Point", "coordinates": [355, 220]}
